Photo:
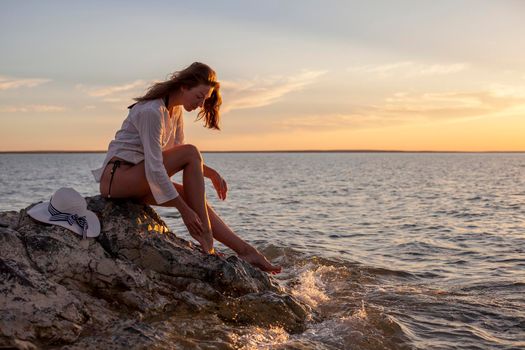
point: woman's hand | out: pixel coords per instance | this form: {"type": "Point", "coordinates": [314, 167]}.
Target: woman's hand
{"type": "Point", "coordinates": [197, 231]}
{"type": "Point", "coordinates": [220, 184]}
{"type": "Point", "coordinates": [192, 222]}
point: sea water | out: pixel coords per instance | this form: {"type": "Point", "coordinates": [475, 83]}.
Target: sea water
{"type": "Point", "coordinates": [391, 250]}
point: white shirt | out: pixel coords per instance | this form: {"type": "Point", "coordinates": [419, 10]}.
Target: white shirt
{"type": "Point", "coordinates": [145, 133]}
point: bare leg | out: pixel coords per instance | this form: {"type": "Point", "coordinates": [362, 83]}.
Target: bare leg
{"type": "Point", "coordinates": [193, 180]}
{"type": "Point", "coordinates": [224, 234]}
{"type": "Point", "coordinates": [245, 251]}
{"type": "Point", "coordinates": [131, 182]}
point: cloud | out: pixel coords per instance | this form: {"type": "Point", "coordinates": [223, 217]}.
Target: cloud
{"type": "Point", "coordinates": [448, 105]}
{"type": "Point", "coordinates": [115, 89]}
{"type": "Point", "coordinates": [336, 121]}
{"type": "Point", "coordinates": [32, 109]}
{"type": "Point", "coordinates": [115, 93]}
{"type": "Point", "coordinates": [409, 69]}
{"type": "Point", "coordinates": [502, 90]}
{"type": "Point", "coordinates": [404, 108]}
{"type": "Point", "coordinates": [7, 83]}
{"type": "Point", "coordinates": [240, 94]}
{"type": "Point", "coordinates": [259, 92]}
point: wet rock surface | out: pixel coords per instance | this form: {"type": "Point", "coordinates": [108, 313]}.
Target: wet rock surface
{"type": "Point", "coordinates": [57, 290]}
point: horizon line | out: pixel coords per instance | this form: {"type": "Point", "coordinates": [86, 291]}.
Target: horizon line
{"type": "Point", "coordinates": [274, 151]}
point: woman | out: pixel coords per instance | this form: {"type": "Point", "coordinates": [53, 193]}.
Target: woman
{"type": "Point", "coordinates": [149, 149]}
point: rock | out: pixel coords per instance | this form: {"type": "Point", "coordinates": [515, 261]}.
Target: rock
{"type": "Point", "coordinates": [9, 219]}
{"type": "Point", "coordinates": [58, 290]}
{"type": "Point", "coordinates": [265, 309]}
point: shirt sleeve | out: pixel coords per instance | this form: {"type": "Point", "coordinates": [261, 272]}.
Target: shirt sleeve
{"type": "Point", "coordinates": [149, 126]}
{"type": "Point", "coordinates": [179, 133]}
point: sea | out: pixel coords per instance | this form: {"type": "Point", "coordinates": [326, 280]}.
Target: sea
{"type": "Point", "coordinates": [391, 250]}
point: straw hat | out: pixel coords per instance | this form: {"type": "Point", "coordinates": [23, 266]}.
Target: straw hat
{"type": "Point", "coordinates": [67, 208]}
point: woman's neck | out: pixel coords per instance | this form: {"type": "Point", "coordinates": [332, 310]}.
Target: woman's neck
{"type": "Point", "coordinates": [174, 100]}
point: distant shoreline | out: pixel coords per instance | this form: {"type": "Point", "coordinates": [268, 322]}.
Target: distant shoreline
{"type": "Point", "coordinates": [274, 151]}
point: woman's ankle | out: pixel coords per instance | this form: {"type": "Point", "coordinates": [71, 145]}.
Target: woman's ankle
{"type": "Point", "coordinates": [246, 249]}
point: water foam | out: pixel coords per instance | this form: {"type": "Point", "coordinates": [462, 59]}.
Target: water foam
{"type": "Point", "coordinates": [261, 338]}
{"type": "Point", "coordinates": [310, 288]}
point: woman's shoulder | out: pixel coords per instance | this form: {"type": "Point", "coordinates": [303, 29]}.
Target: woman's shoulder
{"type": "Point", "coordinates": [153, 108]}
{"type": "Point", "coordinates": [147, 112]}
{"type": "Point", "coordinates": [156, 105]}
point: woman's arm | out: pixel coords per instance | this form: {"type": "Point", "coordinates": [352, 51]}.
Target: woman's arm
{"type": "Point", "coordinates": [148, 122]}
{"type": "Point", "coordinates": [190, 218]}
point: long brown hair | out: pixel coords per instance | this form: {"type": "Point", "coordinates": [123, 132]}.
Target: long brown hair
{"type": "Point", "coordinates": [195, 74]}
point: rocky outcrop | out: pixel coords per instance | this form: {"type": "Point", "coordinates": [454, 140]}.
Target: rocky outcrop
{"type": "Point", "coordinates": [61, 291]}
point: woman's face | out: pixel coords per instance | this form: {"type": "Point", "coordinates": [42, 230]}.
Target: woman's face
{"type": "Point", "coordinates": [194, 98]}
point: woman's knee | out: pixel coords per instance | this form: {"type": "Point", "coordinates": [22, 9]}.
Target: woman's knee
{"type": "Point", "coordinates": [193, 153]}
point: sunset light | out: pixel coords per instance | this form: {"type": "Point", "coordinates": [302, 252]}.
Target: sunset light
{"type": "Point", "coordinates": [348, 76]}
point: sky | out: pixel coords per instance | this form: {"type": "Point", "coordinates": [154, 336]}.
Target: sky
{"type": "Point", "coordinates": [406, 75]}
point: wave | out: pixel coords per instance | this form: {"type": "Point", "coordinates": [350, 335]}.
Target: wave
{"type": "Point", "coordinates": [368, 307]}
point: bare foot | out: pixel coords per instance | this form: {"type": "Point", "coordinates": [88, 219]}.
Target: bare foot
{"type": "Point", "coordinates": [206, 242]}
{"type": "Point", "coordinates": [258, 260]}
